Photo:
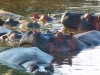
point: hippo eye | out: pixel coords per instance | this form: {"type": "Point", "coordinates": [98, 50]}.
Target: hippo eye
{"type": "Point", "coordinates": [61, 35]}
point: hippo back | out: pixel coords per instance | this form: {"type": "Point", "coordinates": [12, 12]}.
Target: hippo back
{"type": "Point", "coordinates": [91, 38]}
{"type": "Point", "coordinates": [20, 58]}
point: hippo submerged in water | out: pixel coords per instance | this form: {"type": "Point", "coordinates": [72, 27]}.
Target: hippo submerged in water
{"type": "Point", "coordinates": [61, 43]}
{"type": "Point", "coordinates": [12, 38]}
{"type": "Point", "coordinates": [32, 59]}
{"type": "Point", "coordinates": [80, 21]}
{"type": "Point", "coordinates": [3, 30]}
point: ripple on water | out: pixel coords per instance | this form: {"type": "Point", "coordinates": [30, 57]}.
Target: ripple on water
{"type": "Point", "coordinates": [85, 63]}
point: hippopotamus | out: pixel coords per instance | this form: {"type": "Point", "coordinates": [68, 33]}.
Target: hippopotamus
{"type": "Point", "coordinates": [71, 19]}
{"type": "Point", "coordinates": [49, 19]}
{"type": "Point", "coordinates": [12, 38]}
{"type": "Point", "coordinates": [87, 22]}
{"type": "Point", "coordinates": [11, 22]}
{"type": "Point", "coordinates": [60, 42]}
{"type": "Point", "coordinates": [7, 14]}
{"type": "Point", "coordinates": [3, 30]}
{"type": "Point", "coordinates": [1, 22]}
{"type": "Point", "coordinates": [80, 21]}
{"type": "Point", "coordinates": [31, 59]}
{"type": "Point", "coordinates": [45, 18]}
{"type": "Point", "coordinates": [27, 26]}
{"type": "Point", "coordinates": [33, 25]}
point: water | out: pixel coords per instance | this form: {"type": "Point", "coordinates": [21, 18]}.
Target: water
{"type": "Point", "coordinates": [84, 63]}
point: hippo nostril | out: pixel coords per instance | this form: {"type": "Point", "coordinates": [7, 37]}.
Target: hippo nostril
{"type": "Point", "coordinates": [42, 73]}
{"type": "Point", "coordinates": [33, 67]}
{"type": "Point", "coordinates": [50, 68]}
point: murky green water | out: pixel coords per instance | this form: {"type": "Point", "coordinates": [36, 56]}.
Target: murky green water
{"type": "Point", "coordinates": [28, 7]}
{"type": "Point", "coordinates": [65, 65]}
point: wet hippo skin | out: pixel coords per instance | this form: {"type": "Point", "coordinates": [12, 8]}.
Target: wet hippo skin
{"type": "Point", "coordinates": [61, 43]}
{"type": "Point", "coordinates": [32, 59]}
{"type": "Point", "coordinates": [80, 21]}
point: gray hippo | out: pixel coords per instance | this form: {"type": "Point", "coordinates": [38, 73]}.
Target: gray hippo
{"type": "Point", "coordinates": [3, 30]}
{"type": "Point", "coordinates": [80, 21]}
{"type": "Point", "coordinates": [61, 43]}
{"type": "Point", "coordinates": [32, 60]}
{"type": "Point", "coordinates": [11, 22]}
{"type": "Point", "coordinates": [71, 19]}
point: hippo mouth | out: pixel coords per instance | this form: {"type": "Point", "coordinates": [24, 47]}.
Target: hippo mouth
{"type": "Point", "coordinates": [59, 48]}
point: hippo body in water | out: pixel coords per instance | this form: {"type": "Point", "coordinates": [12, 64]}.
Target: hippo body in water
{"type": "Point", "coordinates": [70, 19]}
{"type": "Point", "coordinates": [27, 26]}
{"type": "Point", "coordinates": [12, 38]}
{"type": "Point", "coordinates": [6, 14]}
{"type": "Point", "coordinates": [31, 59]}
{"type": "Point", "coordinates": [3, 30]}
{"type": "Point", "coordinates": [80, 21]}
{"type": "Point", "coordinates": [11, 22]}
{"type": "Point", "coordinates": [61, 43]}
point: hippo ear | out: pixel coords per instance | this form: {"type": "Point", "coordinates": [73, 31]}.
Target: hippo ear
{"type": "Point", "coordinates": [70, 35]}
{"type": "Point", "coordinates": [56, 31]}
{"type": "Point", "coordinates": [36, 16]}
{"type": "Point", "coordinates": [35, 31]}
{"type": "Point", "coordinates": [4, 37]}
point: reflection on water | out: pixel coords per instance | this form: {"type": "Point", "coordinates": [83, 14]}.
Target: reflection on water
{"type": "Point", "coordinates": [84, 63]}
{"type": "Point", "coordinates": [87, 62]}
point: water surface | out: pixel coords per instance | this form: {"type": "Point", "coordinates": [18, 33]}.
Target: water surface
{"type": "Point", "coordinates": [84, 63]}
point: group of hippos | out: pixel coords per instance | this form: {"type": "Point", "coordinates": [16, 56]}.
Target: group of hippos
{"type": "Point", "coordinates": [38, 58]}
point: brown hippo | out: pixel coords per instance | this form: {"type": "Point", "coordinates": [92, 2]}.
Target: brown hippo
{"type": "Point", "coordinates": [60, 42]}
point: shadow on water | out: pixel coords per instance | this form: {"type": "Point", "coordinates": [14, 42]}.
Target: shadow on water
{"type": "Point", "coordinates": [64, 65]}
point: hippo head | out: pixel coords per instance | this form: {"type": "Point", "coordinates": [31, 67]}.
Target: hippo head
{"type": "Point", "coordinates": [1, 22]}
{"type": "Point", "coordinates": [97, 23]}
{"type": "Point", "coordinates": [87, 22]}
{"type": "Point", "coordinates": [70, 19]}
{"type": "Point", "coordinates": [32, 25]}
{"type": "Point", "coordinates": [89, 17]}
{"type": "Point", "coordinates": [12, 38]}
{"type": "Point", "coordinates": [40, 69]}
{"type": "Point", "coordinates": [49, 42]}
{"type": "Point", "coordinates": [11, 22]}
{"type": "Point", "coordinates": [31, 59]}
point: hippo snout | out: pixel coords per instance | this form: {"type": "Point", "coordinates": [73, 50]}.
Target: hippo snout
{"type": "Point", "coordinates": [42, 73]}
{"type": "Point", "coordinates": [43, 69]}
